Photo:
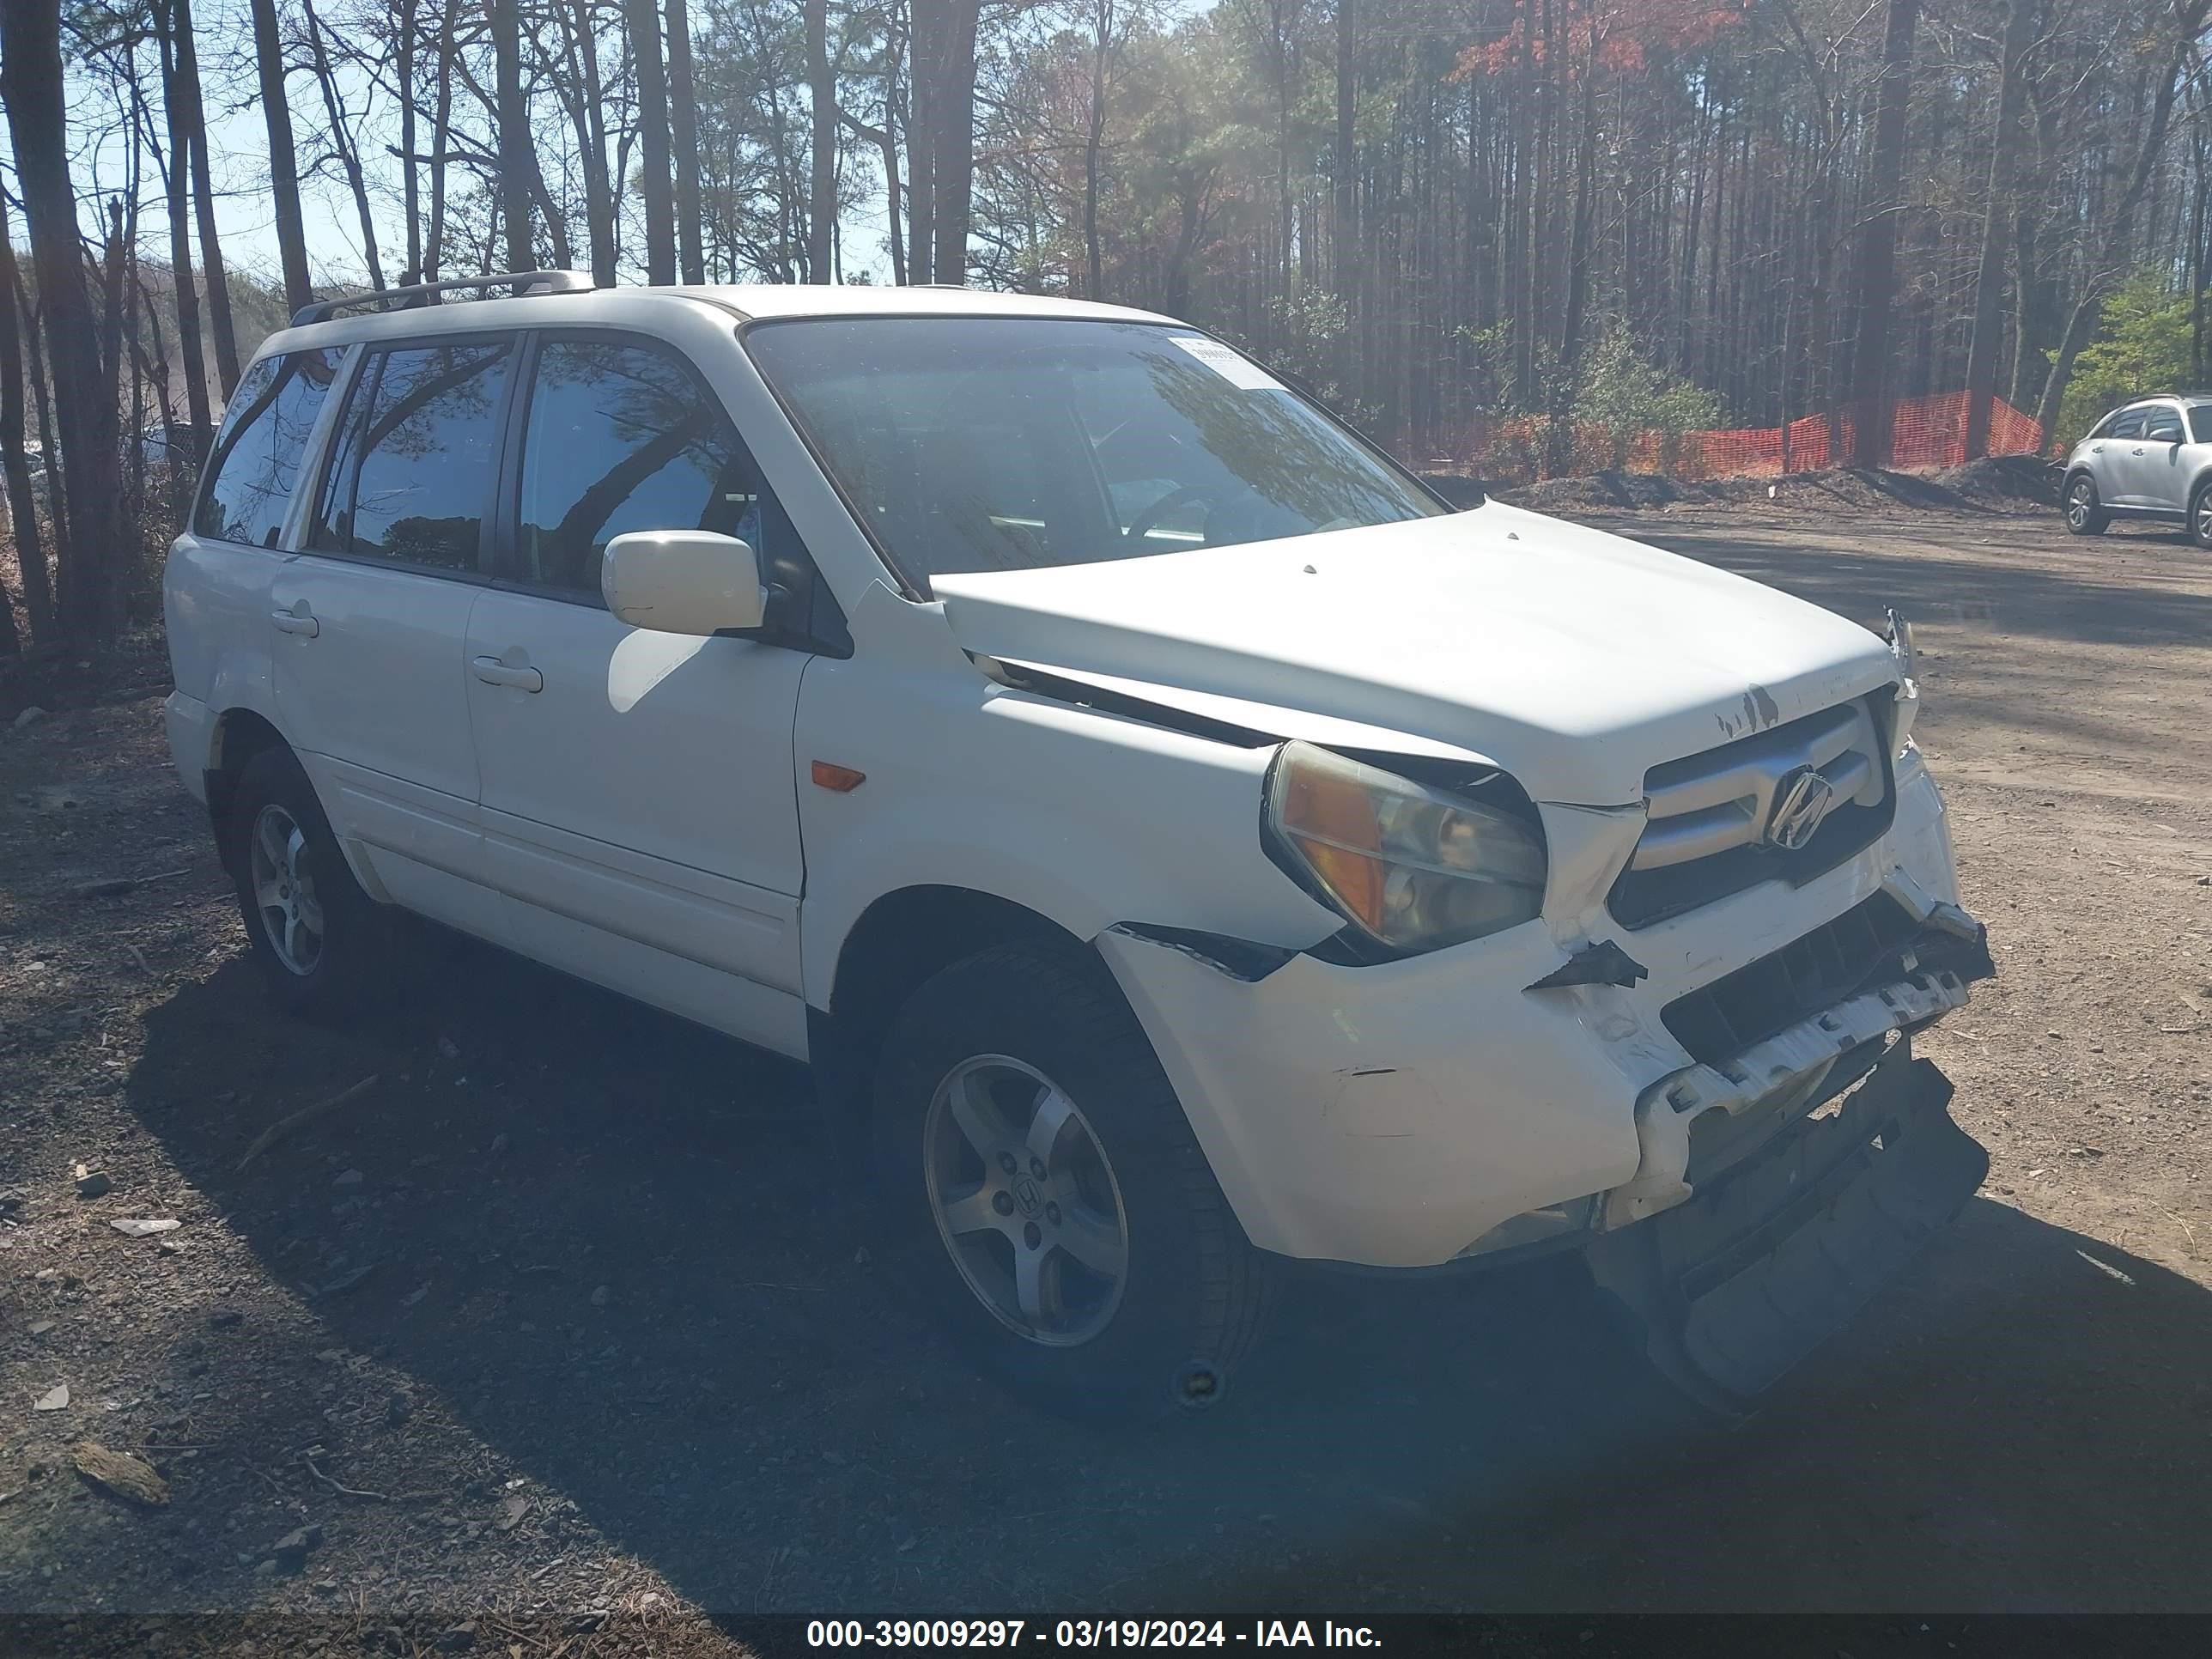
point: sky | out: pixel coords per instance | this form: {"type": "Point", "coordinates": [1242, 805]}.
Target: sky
{"type": "Point", "coordinates": [238, 146]}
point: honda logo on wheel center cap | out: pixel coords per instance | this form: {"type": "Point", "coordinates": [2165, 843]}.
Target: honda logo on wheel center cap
{"type": "Point", "coordinates": [1027, 1196]}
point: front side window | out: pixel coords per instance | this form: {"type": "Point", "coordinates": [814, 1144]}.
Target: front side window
{"type": "Point", "coordinates": [993, 443]}
{"type": "Point", "coordinates": [411, 476]}
{"type": "Point", "coordinates": [621, 436]}
{"type": "Point", "coordinates": [2163, 426]}
{"type": "Point", "coordinates": [256, 460]}
{"type": "Point", "coordinates": [2127, 424]}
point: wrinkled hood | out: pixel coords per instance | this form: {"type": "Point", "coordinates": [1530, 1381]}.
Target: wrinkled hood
{"type": "Point", "coordinates": [1573, 658]}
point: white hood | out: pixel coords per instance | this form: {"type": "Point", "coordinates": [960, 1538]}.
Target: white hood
{"type": "Point", "coordinates": [1575, 659]}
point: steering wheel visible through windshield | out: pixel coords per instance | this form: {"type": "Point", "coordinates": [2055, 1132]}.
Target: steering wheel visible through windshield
{"type": "Point", "coordinates": [998, 443]}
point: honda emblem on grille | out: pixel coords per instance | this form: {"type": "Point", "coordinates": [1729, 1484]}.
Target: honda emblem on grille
{"type": "Point", "coordinates": [1800, 804]}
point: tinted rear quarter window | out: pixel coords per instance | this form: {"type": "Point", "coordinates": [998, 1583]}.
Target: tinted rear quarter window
{"type": "Point", "coordinates": [258, 459]}
{"type": "Point", "coordinates": [411, 473]}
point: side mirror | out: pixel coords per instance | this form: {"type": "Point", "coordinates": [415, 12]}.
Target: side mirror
{"type": "Point", "coordinates": [683, 581]}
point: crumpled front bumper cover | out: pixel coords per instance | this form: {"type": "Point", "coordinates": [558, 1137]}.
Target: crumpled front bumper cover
{"type": "Point", "coordinates": [1736, 1286]}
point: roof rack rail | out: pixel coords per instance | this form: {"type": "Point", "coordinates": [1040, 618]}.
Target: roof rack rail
{"type": "Point", "coordinates": [426, 294]}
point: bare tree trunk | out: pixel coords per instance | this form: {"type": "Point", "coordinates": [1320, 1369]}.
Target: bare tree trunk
{"type": "Point", "coordinates": [180, 246]}
{"type": "Point", "coordinates": [1871, 385]}
{"type": "Point", "coordinates": [822, 184]}
{"type": "Point", "coordinates": [589, 118]}
{"type": "Point", "coordinates": [1989, 283]}
{"type": "Point", "coordinates": [513, 123]}
{"type": "Point", "coordinates": [23, 503]}
{"type": "Point", "coordinates": [652, 132]}
{"type": "Point", "coordinates": [33, 90]}
{"type": "Point", "coordinates": [410, 190]}
{"type": "Point", "coordinates": [441, 132]}
{"type": "Point", "coordinates": [925, 54]}
{"type": "Point", "coordinates": [283, 164]}
{"type": "Point", "coordinates": [1094, 142]}
{"type": "Point", "coordinates": [194, 124]}
{"type": "Point", "coordinates": [955, 143]}
{"type": "Point", "coordinates": [684, 129]}
{"type": "Point", "coordinates": [1344, 233]}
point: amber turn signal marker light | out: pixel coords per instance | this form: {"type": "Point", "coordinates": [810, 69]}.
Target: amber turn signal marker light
{"type": "Point", "coordinates": [843, 778]}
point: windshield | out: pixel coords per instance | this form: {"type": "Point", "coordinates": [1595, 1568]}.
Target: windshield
{"type": "Point", "coordinates": [993, 443]}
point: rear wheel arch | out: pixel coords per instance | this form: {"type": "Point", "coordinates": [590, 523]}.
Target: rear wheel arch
{"type": "Point", "coordinates": [240, 734]}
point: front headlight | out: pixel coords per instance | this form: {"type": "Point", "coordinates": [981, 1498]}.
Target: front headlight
{"type": "Point", "coordinates": [1412, 867]}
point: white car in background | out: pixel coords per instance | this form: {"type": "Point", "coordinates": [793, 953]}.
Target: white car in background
{"type": "Point", "coordinates": [2149, 459]}
{"type": "Point", "coordinates": [1179, 842]}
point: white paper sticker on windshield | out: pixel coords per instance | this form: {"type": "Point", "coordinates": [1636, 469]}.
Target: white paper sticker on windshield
{"type": "Point", "coordinates": [1236, 370]}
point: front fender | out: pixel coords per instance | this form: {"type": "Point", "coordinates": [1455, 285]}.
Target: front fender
{"type": "Point", "coordinates": [1083, 817]}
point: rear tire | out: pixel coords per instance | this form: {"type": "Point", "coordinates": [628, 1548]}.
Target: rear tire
{"type": "Point", "coordinates": [321, 942]}
{"type": "Point", "coordinates": [2084, 517]}
{"type": "Point", "coordinates": [1048, 1197]}
{"type": "Point", "coordinates": [2200, 514]}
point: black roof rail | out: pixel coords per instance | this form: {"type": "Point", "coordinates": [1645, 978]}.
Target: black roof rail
{"type": "Point", "coordinates": [426, 294]}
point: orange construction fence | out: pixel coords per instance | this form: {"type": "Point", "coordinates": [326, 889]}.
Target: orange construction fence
{"type": "Point", "coordinates": [1925, 432]}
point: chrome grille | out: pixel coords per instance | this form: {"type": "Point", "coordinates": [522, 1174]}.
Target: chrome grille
{"type": "Point", "coordinates": [1789, 803]}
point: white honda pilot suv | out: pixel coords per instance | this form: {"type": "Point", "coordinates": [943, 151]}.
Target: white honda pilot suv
{"type": "Point", "coordinates": [1177, 839]}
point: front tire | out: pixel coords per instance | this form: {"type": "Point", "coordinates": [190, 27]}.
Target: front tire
{"type": "Point", "coordinates": [2084, 516]}
{"type": "Point", "coordinates": [318, 938]}
{"type": "Point", "coordinates": [1050, 1201]}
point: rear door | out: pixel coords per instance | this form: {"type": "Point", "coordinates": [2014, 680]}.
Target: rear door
{"type": "Point", "coordinates": [217, 582]}
{"type": "Point", "coordinates": [638, 800]}
{"type": "Point", "coordinates": [374, 617]}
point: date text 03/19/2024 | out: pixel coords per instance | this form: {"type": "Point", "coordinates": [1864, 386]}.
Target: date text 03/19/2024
{"type": "Point", "coordinates": [1086, 1633]}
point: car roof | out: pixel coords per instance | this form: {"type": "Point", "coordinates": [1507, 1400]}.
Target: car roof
{"type": "Point", "coordinates": [748, 301]}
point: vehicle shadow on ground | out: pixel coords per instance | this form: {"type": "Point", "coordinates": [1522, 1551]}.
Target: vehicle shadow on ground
{"type": "Point", "coordinates": [616, 1251]}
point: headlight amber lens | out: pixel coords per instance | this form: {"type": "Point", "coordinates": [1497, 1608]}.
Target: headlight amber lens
{"type": "Point", "coordinates": [1416, 868]}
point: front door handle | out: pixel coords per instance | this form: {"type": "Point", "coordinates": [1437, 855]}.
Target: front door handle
{"type": "Point", "coordinates": [300, 620]}
{"type": "Point", "coordinates": [2139, 449]}
{"type": "Point", "coordinates": [492, 671]}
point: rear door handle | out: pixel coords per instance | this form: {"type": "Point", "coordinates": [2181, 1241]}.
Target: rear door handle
{"type": "Point", "coordinates": [301, 622]}
{"type": "Point", "coordinates": [492, 671]}
{"type": "Point", "coordinates": [2139, 449]}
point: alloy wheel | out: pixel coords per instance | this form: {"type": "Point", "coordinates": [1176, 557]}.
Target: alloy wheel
{"type": "Point", "coordinates": [2077, 504]}
{"type": "Point", "coordinates": [1025, 1201]}
{"type": "Point", "coordinates": [284, 889]}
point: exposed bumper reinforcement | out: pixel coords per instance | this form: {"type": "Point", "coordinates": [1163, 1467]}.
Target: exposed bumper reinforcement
{"type": "Point", "coordinates": [1736, 1286]}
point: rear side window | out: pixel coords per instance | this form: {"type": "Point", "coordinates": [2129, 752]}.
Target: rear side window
{"type": "Point", "coordinates": [411, 475]}
{"type": "Point", "coordinates": [621, 435]}
{"type": "Point", "coordinates": [256, 460]}
{"type": "Point", "coordinates": [2200, 423]}
{"type": "Point", "coordinates": [2164, 426]}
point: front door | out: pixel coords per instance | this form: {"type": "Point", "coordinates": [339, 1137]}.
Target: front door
{"type": "Point", "coordinates": [372, 616]}
{"type": "Point", "coordinates": [2155, 472]}
{"type": "Point", "coordinates": [637, 794]}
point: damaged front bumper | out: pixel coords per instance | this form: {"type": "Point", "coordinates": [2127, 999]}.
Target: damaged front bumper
{"type": "Point", "coordinates": [1734, 1288]}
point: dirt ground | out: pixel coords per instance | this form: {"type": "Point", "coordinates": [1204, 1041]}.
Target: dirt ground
{"type": "Point", "coordinates": [567, 1320]}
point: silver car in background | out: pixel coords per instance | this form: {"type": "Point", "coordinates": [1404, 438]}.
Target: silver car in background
{"type": "Point", "coordinates": [2151, 459]}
